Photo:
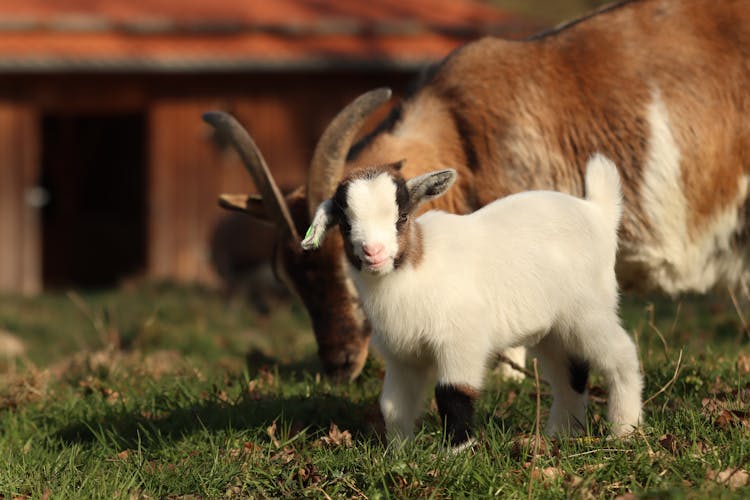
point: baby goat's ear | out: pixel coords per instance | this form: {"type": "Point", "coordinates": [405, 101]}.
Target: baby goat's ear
{"type": "Point", "coordinates": [322, 222]}
{"type": "Point", "coordinates": [429, 186]}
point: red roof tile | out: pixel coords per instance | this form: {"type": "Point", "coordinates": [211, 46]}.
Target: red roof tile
{"type": "Point", "coordinates": [169, 35]}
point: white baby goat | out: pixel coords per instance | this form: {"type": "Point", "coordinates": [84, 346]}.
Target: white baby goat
{"type": "Point", "coordinates": [444, 292]}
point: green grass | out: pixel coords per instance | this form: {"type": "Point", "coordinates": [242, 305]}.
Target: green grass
{"type": "Point", "coordinates": [166, 392]}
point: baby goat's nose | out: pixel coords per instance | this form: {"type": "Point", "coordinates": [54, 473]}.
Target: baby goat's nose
{"type": "Point", "coordinates": [372, 249]}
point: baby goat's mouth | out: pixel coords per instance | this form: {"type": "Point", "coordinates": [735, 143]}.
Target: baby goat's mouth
{"type": "Point", "coordinates": [377, 264]}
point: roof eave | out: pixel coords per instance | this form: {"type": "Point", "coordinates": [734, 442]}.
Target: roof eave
{"type": "Point", "coordinates": [193, 65]}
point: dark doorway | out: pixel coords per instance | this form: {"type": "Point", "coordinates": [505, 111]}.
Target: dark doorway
{"type": "Point", "coordinates": [94, 227]}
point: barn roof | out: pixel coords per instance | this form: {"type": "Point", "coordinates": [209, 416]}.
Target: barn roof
{"type": "Point", "coordinates": [230, 35]}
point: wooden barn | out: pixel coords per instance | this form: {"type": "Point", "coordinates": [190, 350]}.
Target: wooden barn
{"type": "Point", "coordinates": [106, 169]}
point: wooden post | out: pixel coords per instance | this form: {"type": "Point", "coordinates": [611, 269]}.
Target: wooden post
{"type": "Point", "coordinates": [20, 225]}
{"type": "Point", "coordinates": [183, 186]}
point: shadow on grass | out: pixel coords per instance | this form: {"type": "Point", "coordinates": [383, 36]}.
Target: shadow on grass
{"type": "Point", "coordinates": [314, 414]}
{"type": "Point", "coordinates": [256, 361]}
{"type": "Point", "coordinates": [252, 411]}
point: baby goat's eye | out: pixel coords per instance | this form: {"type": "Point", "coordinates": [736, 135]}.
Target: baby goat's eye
{"type": "Point", "coordinates": [402, 218]}
{"type": "Point", "coordinates": [345, 227]}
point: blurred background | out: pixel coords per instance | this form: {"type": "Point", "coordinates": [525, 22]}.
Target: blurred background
{"type": "Point", "coordinates": [108, 174]}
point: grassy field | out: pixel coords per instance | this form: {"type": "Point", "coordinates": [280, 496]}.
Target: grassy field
{"type": "Point", "coordinates": [167, 392]}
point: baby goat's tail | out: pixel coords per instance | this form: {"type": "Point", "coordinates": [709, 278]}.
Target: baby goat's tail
{"type": "Point", "coordinates": [603, 187]}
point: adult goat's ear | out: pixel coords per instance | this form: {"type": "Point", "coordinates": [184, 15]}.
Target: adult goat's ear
{"type": "Point", "coordinates": [322, 222]}
{"type": "Point", "coordinates": [429, 186]}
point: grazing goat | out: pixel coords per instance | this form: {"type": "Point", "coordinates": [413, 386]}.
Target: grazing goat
{"type": "Point", "coordinates": [658, 86]}
{"type": "Point", "coordinates": [445, 291]}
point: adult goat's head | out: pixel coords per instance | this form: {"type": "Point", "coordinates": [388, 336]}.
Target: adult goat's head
{"type": "Point", "coordinates": [341, 330]}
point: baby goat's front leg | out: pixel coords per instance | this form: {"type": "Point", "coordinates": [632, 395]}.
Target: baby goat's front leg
{"type": "Point", "coordinates": [456, 406]}
{"type": "Point", "coordinates": [403, 397]}
{"type": "Point", "coordinates": [460, 375]}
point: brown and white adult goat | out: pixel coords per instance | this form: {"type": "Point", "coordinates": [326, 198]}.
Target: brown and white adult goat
{"type": "Point", "coordinates": [662, 87]}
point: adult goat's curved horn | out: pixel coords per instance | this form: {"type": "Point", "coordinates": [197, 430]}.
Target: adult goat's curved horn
{"type": "Point", "coordinates": [329, 158]}
{"type": "Point", "coordinates": [276, 208]}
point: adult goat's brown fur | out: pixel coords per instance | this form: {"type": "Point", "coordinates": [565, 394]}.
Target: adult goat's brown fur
{"type": "Point", "coordinates": [662, 87]}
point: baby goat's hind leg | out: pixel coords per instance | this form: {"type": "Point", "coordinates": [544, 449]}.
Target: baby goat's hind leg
{"type": "Point", "coordinates": [567, 376]}
{"type": "Point", "coordinates": [609, 348]}
{"type": "Point", "coordinates": [518, 356]}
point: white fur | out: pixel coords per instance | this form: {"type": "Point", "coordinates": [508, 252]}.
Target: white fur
{"type": "Point", "coordinates": [678, 261]}
{"type": "Point", "coordinates": [373, 215]}
{"type": "Point", "coordinates": [534, 269]}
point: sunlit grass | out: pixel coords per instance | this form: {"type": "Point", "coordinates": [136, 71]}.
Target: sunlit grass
{"type": "Point", "coordinates": [162, 391]}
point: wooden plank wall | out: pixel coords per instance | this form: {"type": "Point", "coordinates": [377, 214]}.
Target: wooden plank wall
{"type": "Point", "coordinates": [181, 191]}
{"type": "Point", "coordinates": [20, 245]}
